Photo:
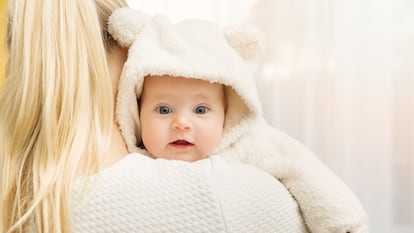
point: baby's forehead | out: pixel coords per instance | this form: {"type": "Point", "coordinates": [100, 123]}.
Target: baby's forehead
{"type": "Point", "coordinates": [170, 87]}
{"type": "Point", "coordinates": [177, 79]}
{"type": "Point", "coordinates": [175, 83]}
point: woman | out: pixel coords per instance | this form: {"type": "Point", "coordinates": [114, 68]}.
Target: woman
{"type": "Point", "coordinates": [57, 126]}
{"type": "Point", "coordinates": [56, 120]}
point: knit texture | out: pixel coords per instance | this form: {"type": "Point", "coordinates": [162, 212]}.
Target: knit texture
{"type": "Point", "coordinates": [140, 194]}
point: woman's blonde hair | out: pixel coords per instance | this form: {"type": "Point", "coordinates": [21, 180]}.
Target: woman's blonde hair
{"type": "Point", "coordinates": [56, 108]}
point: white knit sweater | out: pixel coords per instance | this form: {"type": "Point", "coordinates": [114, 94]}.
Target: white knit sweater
{"type": "Point", "coordinates": [140, 194]}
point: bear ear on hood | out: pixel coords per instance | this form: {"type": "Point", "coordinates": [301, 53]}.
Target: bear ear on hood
{"type": "Point", "coordinates": [247, 41]}
{"type": "Point", "coordinates": [124, 24]}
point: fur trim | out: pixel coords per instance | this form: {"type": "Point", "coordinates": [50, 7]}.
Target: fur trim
{"type": "Point", "coordinates": [247, 41]}
{"type": "Point", "coordinates": [124, 25]}
{"type": "Point", "coordinates": [190, 49]}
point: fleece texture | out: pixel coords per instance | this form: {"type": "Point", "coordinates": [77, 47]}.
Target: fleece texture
{"type": "Point", "coordinates": [189, 49]}
{"type": "Point", "coordinates": [200, 49]}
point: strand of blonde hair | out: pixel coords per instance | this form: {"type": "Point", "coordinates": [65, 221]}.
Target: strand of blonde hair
{"type": "Point", "coordinates": [56, 109]}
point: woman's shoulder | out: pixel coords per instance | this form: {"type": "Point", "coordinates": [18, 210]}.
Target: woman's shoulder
{"type": "Point", "coordinates": [139, 193]}
{"type": "Point", "coordinates": [249, 195]}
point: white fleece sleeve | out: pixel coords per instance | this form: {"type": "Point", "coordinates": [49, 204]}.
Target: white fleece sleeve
{"type": "Point", "coordinates": [327, 204]}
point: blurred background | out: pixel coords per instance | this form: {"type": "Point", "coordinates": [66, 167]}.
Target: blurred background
{"type": "Point", "coordinates": [338, 75]}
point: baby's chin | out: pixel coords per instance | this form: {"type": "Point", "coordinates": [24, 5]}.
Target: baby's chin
{"type": "Point", "coordinates": [187, 157]}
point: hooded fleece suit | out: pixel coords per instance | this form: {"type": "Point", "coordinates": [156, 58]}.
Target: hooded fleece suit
{"type": "Point", "coordinates": [200, 49]}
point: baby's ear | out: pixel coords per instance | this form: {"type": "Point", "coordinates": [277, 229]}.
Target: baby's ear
{"type": "Point", "coordinates": [247, 41]}
{"type": "Point", "coordinates": [124, 24]}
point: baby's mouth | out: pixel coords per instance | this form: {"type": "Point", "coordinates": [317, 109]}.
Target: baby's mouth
{"type": "Point", "coordinates": [181, 143]}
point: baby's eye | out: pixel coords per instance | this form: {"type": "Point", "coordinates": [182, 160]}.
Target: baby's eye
{"type": "Point", "coordinates": [201, 110]}
{"type": "Point", "coordinates": [164, 110]}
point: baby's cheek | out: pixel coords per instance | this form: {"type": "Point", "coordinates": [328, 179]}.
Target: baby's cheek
{"type": "Point", "coordinates": [152, 136]}
{"type": "Point", "coordinates": [213, 139]}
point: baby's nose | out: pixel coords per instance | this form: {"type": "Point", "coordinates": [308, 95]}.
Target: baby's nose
{"type": "Point", "coordinates": [182, 122]}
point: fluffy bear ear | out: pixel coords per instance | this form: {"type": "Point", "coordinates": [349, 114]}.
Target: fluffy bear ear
{"type": "Point", "coordinates": [124, 24]}
{"type": "Point", "coordinates": [247, 41]}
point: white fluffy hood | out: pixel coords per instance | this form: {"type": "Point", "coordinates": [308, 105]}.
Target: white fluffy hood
{"type": "Point", "coordinates": [192, 49]}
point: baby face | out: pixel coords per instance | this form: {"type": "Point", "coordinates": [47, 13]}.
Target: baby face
{"type": "Point", "coordinates": [181, 118]}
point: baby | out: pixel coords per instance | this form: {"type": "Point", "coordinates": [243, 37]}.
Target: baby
{"type": "Point", "coordinates": [181, 118]}
{"type": "Point", "coordinates": [197, 98]}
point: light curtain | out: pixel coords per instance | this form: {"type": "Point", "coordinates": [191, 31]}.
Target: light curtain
{"type": "Point", "coordinates": [338, 76]}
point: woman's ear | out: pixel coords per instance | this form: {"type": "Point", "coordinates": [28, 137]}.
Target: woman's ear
{"type": "Point", "coordinates": [124, 24]}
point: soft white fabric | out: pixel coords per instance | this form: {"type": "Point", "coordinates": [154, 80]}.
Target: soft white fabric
{"type": "Point", "coordinates": [327, 204]}
{"type": "Point", "coordinates": [190, 49]}
{"type": "Point", "coordinates": [140, 194]}
{"type": "Point", "coordinates": [200, 49]}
